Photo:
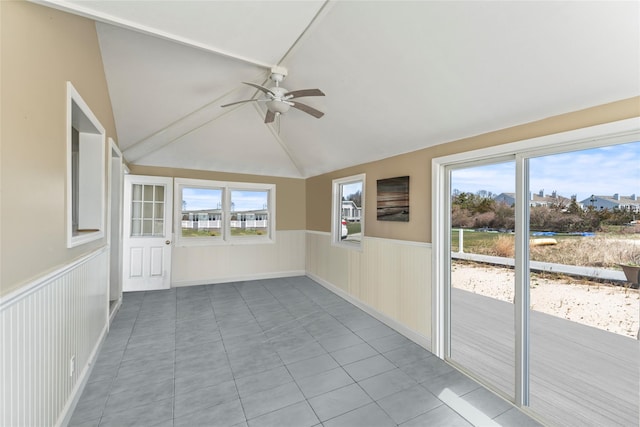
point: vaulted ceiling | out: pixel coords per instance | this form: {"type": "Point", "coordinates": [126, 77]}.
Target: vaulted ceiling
{"type": "Point", "coordinates": [398, 76]}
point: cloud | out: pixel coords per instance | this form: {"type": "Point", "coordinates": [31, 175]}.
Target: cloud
{"type": "Point", "coordinates": [600, 171]}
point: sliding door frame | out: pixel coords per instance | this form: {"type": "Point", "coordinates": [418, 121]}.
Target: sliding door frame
{"type": "Point", "coordinates": [591, 137]}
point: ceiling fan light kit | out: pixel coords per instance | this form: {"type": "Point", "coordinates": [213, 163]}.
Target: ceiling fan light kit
{"type": "Point", "coordinates": [278, 99]}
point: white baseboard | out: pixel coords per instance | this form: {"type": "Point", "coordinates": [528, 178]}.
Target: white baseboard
{"type": "Point", "coordinates": [414, 336]}
{"type": "Point", "coordinates": [239, 278]}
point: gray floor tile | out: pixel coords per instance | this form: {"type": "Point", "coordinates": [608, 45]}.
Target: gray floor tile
{"type": "Point", "coordinates": [440, 416]}
{"type": "Point", "coordinates": [389, 342]}
{"type": "Point", "coordinates": [303, 352]}
{"type": "Point", "coordinates": [312, 366]}
{"type": "Point", "coordinates": [409, 403]}
{"type": "Point", "coordinates": [86, 423]}
{"type": "Point", "coordinates": [225, 414]}
{"type": "Point", "coordinates": [254, 364]}
{"type": "Point", "coordinates": [324, 382]}
{"type": "Point", "coordinates": [340, 342]}
{"type": "Point", "coordinates": [266, 380]}
{"type": "Point", "coordinates": [188, 356]}
{"type": "Point", "coordinates": [515, 418]}
{"type": "Point", "coordinates": [407, 354]}
{"type": "Point", "coordinates": [138, 395]}
{"type": "Point", "coordinates": [377, 331]}
{"type": "Point", "coordinates": [138, 380]}
{"type": "Point", "coordinates": [338, 402]}
{"type": "Point", "coordinates": [427, 370]}
{"type": "Point", "coordinates": [366, 416]}
{"type": "Point", "coordinates": [367, 368]}
{"type": "Point", "coordinates": [454, 381]}
{"type": "Point", "coordinates": [188, 403]}
{"type": "Point", "coordinates": [487, 402]}
{"type": "Point", "coordinates": [89, 409]}
{"type": "Point", "coordinates": [186, 382]}
{"type": "Point", "coordinates": [146, 415]}
{"type": "Point", "coordinates": [386, 384]}
{"type": "Point", "coordinates": [271, 400]}
{"type": "Point", "coordinates": [353, 354]}
{"type": "Point", "coordinates": [297, 415]}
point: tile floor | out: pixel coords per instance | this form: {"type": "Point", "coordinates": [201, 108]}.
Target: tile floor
{"type": "Point", "coordinates": [280, 352]}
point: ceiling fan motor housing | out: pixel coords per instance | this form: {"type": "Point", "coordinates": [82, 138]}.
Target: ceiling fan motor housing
{"type": "Point", "coordinates": [278, 103]}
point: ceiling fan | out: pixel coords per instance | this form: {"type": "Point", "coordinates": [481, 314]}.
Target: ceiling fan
{"type": "Point", "coordinates": [279, 99]}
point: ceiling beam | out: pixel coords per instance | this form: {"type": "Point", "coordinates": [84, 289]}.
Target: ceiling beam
{"type": "Point", "coordinates": [283, 145]}
{"type": "Point", "coordinates": [87, 12]}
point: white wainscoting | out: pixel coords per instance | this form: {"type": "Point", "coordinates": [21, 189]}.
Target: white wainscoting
{"type": "Point", "coordinates": [199, 265]}
{"type": "Point", "coordinates": [390, 279]}
{"type": "Point", "coordinates": [42, 327]}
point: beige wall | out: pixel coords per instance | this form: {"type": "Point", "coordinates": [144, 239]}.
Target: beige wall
{"type": "Point", "coordinates": [41, 50]}
{"type": "Point", "coordinates": [418, 166]}
{"type": "Point", "coordinates": [290, 192]}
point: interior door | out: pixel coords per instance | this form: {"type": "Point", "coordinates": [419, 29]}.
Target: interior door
{"type": "Point", "coordinates": [147, 233]}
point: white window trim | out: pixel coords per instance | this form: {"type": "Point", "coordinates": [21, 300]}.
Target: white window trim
{"type": "Point", "coordinates": [97, 190]}
{"type": "Point", "coordinates": [225, 238]}
{"type": "Point", "coordinates": [619, 132]}
{"type": "Point", "coordinates": [336, 212]}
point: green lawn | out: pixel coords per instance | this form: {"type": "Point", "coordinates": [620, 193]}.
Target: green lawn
{"type": "Point", "coordinates": [354, 227]}
{"type": "Point", "coordinates": [475, 239]}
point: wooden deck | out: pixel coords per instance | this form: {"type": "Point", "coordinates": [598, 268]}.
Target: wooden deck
{"type": "Point", "coordinates": [580, 375]}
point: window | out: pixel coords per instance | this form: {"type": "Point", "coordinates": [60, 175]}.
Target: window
{"type": "Point", "coordinates": [347, 218]}
{"type": "Point", "coordinates": [86, 145]}
{"type": "Point", "coordinates": [213, 212]}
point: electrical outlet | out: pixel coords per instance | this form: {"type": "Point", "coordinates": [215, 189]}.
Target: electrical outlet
{"type": "Point", "coordinates": [72, 365]}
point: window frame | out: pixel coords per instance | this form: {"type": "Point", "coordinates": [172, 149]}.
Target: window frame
{"type": "Point", "coordinates": [336, 211]}
{"type": "Point", "coordinates": [86, 197]}
{"type": "Point", "coordinates": [225, 237]}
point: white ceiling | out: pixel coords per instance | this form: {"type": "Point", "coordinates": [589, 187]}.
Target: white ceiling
{"type": "Point", "coordinates": [398, 76]}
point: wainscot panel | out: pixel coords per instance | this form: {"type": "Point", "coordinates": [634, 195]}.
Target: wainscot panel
{"type": "Point", "coordinates": [390, 279]}
{"type": "Point", "coordinates": [50, 333]}
{"type": "Point", "coordinates": [199, 265]}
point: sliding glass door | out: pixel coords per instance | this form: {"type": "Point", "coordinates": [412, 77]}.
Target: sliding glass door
{"type": "Point", "coordinates": [530, 297]}
{"type": "Point", "coordinates": [481, 311]}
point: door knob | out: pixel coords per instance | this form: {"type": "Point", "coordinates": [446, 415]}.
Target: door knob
{"type": "Point", "coordinates": [167, 242]}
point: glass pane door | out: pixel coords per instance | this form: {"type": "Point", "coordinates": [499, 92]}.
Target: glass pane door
{"type": "Point", "coordinates": [482, 282]}
{"type": "Point", "coordinates": [584, 350]}
{"type": "Point", "coordinates": [147, 210]}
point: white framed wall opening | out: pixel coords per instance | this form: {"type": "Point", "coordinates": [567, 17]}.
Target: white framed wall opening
{"type": "Point", "coordinates": [547, 362]}
{"type": "Point", "coordinates": [86, 147]}
{"type": "Point", "coordinates": [217, 212]}
{"type": "Point", "coordinates": [347, 212]}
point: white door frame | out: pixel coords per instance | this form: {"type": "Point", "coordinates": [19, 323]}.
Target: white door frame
{"type": "Point", "coordinates": [115, 174]}
{"type": "Point", "coordinates": [595, 136]}
{"type": "Point", "coordinates": [151, 254]}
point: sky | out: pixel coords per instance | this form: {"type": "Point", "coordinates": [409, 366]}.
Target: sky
{"type": "Point", "coordinates": [200, 198]}
{"type": "Point", "coordinates": [601, 171]}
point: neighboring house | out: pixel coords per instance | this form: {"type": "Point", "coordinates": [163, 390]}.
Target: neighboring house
{"type": "Point", "coordinates": [212, 218]}
{"type": "Point", "coordinates": [618, 202]}
{"type": "Point", "coordinates": [350, 211]}
{"type": "Point", "coordinates": [535, 200]}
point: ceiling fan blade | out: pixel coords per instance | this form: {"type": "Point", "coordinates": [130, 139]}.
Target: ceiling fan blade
{"type": "Point", "coordinates": [238, 102]}
{"type": "Point", "coordinates": [269, 117]}
{"type": "Point", "coordinates": [309, 110]}
{"type": "Point", "coordinates": [261, 88]}
{"type": "Point", "coordinates": [303, 92]}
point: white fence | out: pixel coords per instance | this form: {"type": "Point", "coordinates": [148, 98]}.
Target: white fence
{"type": "Point", "coordinates": [250, 223]}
